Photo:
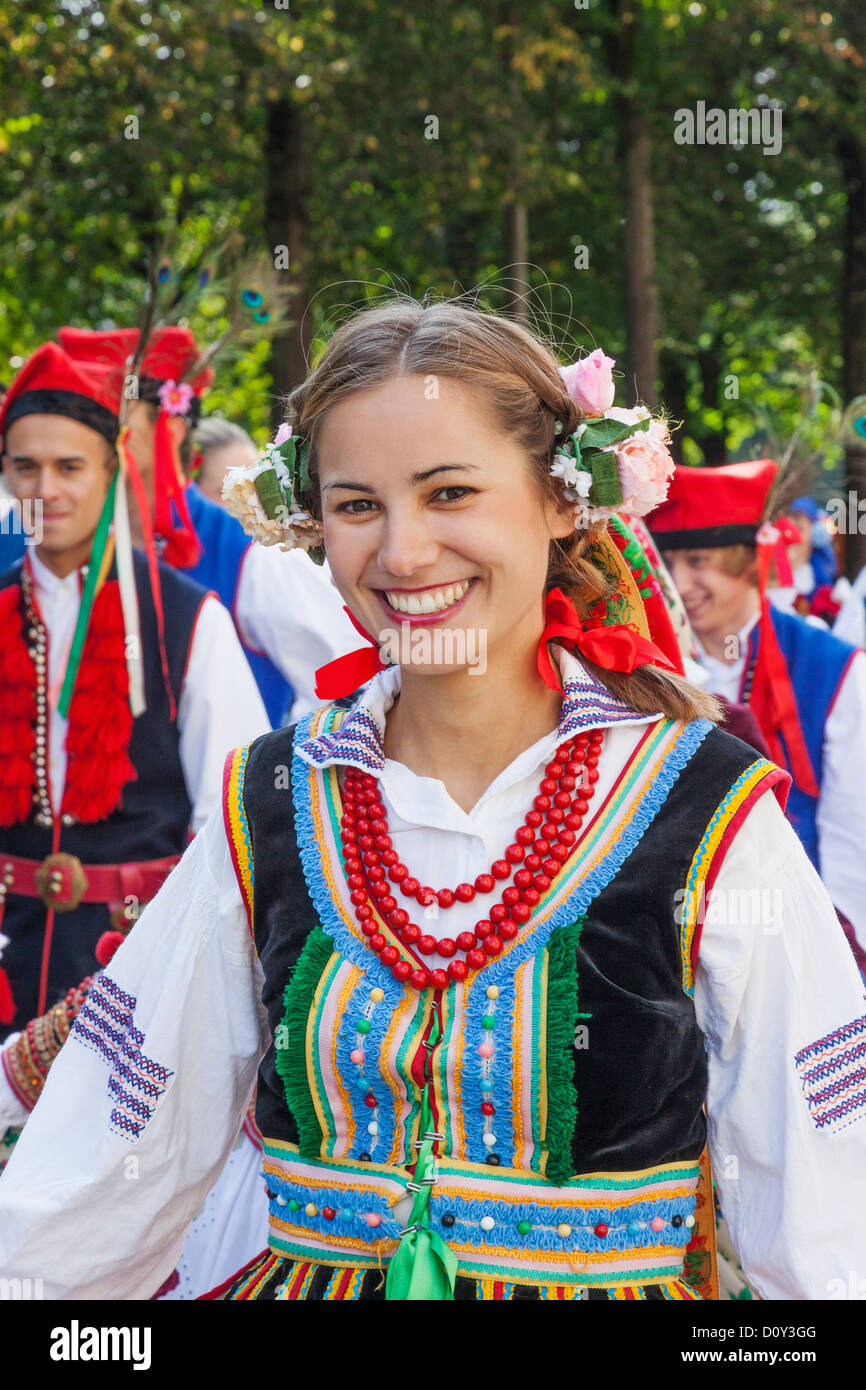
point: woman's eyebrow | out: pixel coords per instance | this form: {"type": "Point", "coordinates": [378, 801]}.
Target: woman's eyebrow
{"type": "Point", "coordinates": [415, 479]}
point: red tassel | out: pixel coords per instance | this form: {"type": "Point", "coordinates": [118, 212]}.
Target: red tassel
{"type": "Point", "coordinates": [107, 945]}
{"type": "Point", "coordinates": [100, 720]}
{"type": "Point", "coordinates": [7, 1003]}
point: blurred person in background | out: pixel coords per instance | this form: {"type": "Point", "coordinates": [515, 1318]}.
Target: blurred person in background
{"type": "Point", "coordinates": [221, 445]}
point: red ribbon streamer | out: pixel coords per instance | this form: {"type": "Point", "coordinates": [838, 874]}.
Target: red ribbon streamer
{"type": "Point", "coordinates": [183, 547]}
{"type": "Point", "coordinates": [772, 699]}
{"type": "Point", "coordinates": [346, 673]}
{"type": "Point", "coordinates": [152, 564]}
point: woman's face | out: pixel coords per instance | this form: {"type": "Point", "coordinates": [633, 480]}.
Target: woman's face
{"type": "Point", "coordinates": [433, 521]}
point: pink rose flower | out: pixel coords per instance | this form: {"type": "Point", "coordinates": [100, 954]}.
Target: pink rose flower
{"type": "Point", "coordinates": [589, 383]}
{"type": "Point", "coordinates": [645, 469]}
{"type": "Point", "coordinates": [282, 434]}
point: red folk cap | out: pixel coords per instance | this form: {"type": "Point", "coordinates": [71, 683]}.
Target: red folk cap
{"type": "Point", "coordinates": [53, 383]}
{"type": "Point", "coordinates": [170, 353]}
{"type": "Point", "coordinates": [707, 507]}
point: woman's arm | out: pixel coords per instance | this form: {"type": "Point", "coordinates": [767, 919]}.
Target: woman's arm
{"type": "Point", "coordinates": [144, 1102]}
{"type": "Point", "coordinates": [780, 1001]}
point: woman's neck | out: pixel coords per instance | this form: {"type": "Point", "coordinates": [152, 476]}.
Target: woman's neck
{"type": "Point", "coordinates": [464, 729]}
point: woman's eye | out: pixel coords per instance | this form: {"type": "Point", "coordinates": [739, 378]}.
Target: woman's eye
{"type": "Point", "coordinates": [356, 506]}
{"type": "Point", "coordinates": [455, 494]}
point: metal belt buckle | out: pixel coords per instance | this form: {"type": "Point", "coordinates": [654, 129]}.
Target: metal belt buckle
{"type": "Point", "coordinates": [50, 881]}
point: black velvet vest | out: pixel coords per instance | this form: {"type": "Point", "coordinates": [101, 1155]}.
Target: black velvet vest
{"type": "Point", "coordinates": [151, 821]}
{"type": "Point", "coordinates": [640, 1069]}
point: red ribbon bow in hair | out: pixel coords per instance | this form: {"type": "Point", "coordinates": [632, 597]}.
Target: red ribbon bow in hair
{"type": "Point", "coordinates": [343, 675]}
{"type": "Point", "coordinates": [612, 646]}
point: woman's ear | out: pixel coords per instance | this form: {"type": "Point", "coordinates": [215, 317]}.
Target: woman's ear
{"type": "Point", "coordinates": [559, 516]}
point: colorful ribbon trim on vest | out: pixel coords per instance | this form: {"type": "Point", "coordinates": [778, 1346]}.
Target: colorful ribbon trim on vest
{"type": "Point", "coordinates": [507, 1225]}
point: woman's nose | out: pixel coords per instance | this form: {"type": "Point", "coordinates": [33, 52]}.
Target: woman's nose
{"type": "Point", "coordinates": [407, 545]}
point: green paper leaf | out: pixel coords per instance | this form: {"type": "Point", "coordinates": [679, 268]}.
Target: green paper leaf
{"type": "Point", "coordinates": [304, 457]}
{"type": "Point", "coordinates": [602, 433]}
{"type": "Point", "coordinates": [288, 451]}
{"type": "Point", "coordinates": [270, 493]}
{"type": "Point", "coordinates": [605, 490]}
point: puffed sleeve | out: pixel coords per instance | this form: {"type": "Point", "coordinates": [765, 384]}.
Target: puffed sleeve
{"type": "Point", "coordinates": [780, 1002]}
{"type": "Point", "coordinates": [144, 1102]}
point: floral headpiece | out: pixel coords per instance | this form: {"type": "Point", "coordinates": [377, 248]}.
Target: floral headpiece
{"type": "Point", "coordinates": [266, 495]}
{"type": "Point", "coordinates": [615, 460]}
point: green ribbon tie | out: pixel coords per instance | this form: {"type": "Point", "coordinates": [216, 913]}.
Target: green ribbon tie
{"type": "Point", "coordinates": [100, 541]}
{"type": "Point", "coordinates": [423, 1269]}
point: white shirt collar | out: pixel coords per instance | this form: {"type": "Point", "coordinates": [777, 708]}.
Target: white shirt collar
{"type": "Point", "coordinates": [47, 582]}
{"type": "Point", "coordinates": [587, 704]}
{"type": "Point", "coordinates": [742, 646]}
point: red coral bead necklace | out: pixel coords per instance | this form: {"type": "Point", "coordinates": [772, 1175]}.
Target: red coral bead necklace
{"type": "Point", "coordinates": [542, 845]}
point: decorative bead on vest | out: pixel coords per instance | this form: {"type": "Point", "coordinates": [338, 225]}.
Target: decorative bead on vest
{"type": "Point", "coordinates": [151, 821]}
{"type": "Point", "coordinates": [587, 1171]}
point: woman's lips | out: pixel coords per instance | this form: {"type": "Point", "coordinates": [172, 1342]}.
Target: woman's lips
{"type": "Point", "coordinates": [425, 619]}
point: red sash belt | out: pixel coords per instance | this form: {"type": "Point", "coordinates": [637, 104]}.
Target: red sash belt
{"type": "Point", "coordinates": [62, 881]}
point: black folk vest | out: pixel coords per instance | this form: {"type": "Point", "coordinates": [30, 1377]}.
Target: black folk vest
{"type": "Point", "coordinates": [151, 821]}
{"type": "Point", "coordinates": [598, 1074]}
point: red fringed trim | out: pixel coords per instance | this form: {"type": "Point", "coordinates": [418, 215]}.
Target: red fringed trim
{"type": "Point", "coordinates": [17, 713]}
{"type": "Point", "coordinates": [100, 720]}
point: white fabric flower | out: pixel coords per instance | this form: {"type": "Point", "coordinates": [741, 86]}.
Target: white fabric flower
{"type": "Point", "coordinates": [564, 468]}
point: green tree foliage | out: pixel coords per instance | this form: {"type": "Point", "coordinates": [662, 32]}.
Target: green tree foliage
{"type": "Point", "coordinates": [419, 122]}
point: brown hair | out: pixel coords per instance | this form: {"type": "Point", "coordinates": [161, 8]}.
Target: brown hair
{"type": "Point", "coordinates": [734, 559]}
{"type": "Point", "coordinates": [517, 377]}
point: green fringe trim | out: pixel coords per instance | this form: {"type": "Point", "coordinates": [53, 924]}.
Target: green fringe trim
{"type": "Point", "coordinates": [562, 1016]}
{"type": "Point", "coordinates": [291, 1060]}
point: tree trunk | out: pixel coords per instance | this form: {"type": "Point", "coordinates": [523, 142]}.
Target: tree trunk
{"type": "Point", "coordinates": [286, 221]}
{"type": "Point", "coordinates": [852, 156]}
{"type": "Point", "coordinates": [635, 157]}
{"type": "Point", "coordinates": [675, 385]}
{"type": "Point", "coordinates": [517, 255]}
{"type": "Point", "coordinates": [516, 227]}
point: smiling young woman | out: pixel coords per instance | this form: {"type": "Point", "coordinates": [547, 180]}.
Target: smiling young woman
{"type": "Point", "coordinates": [456, 924]}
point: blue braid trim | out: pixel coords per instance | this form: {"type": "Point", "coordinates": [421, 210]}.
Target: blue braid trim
{"type": "Point", "coordinates": [354, 949]}
{"type": "Point", "coordinates": [371, 1043]}
{"type": "Point", "coordinates": [501, 1065]}
{"type": "Point", "coordinates": [338, 1198]}
{"type": "Point", "coordinates": [544, 1220]}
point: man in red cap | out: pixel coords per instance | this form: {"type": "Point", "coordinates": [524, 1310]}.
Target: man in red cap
{"type": "Point", "coordinates": [101, 778]}
{"type": "Point", "coordinates": [288, 614]}
{"type": "Point", "coordinates": [805, 686]}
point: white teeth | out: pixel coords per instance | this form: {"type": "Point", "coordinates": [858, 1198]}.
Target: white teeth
{"type": "Point", "coordinates": [430, 601]}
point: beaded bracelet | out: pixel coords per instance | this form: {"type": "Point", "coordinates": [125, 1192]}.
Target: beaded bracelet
{"type": "Point", "coordinates": [27, 1062]}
